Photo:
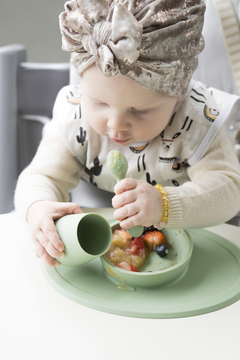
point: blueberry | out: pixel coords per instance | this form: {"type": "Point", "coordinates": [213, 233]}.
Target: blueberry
{"type": "Point", "coordinates": [162, 250]}
{"type": "Point", "coordinates": [147, 229]}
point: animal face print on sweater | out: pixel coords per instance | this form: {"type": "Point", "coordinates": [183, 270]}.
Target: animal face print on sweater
{"type": "Point", "coordinates": [167, 146]}
{"type": "Point", "coordinates": [75, 99]}
{"type": "Point", "coordinates": [209, 113]}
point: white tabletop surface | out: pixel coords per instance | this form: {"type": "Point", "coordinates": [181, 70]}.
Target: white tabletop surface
{"type": "Point", "coordinates": [36, 322]}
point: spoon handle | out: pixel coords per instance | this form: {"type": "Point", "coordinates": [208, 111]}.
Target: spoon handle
{"type": "Point", "coordinates": [118, 165]}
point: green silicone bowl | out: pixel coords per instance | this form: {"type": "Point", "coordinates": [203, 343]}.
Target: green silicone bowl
{"type": "Point", "coordinates": [156, 271]}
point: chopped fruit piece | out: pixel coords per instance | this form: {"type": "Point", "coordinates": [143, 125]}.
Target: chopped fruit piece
{"type": "Point", "coordinates": [116, 256]}
{"type": "Point", "coordinates": [121, 238]}
{"type": "Point", "coordinates": [134, 268]}
{"type": "Point", "coordinates": [123, 233]}
{"type": "Point", "coordinates": [137, 247]}
{"type": "Point", "coordinates": [154, 238]}
{"type": "Point", "coordinates": [162, 250]}
{"type": "Point", "coordinates": [125, 266]}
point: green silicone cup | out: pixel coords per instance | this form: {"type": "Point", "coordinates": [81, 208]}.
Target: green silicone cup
{"type": "Point", "coordinates": [156, 271]}
{"type": "Point", "coordinates": [85, 237]}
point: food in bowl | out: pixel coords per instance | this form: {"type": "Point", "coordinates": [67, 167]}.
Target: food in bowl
{"type": "Point", "coordinates": [130, 253]}
{"type": "Point", "coordinates": [156, 270]}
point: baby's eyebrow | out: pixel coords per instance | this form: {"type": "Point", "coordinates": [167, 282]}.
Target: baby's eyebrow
{"type": "Point", "coordinates": [95, 99]}
{"type": "Point", "coordinates": [137, 107]}
{"type": "Point", "coordinates": [152, 106]}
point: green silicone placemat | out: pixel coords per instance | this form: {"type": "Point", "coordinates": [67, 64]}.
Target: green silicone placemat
{"type": "Point", "coordinates": [211, 282]}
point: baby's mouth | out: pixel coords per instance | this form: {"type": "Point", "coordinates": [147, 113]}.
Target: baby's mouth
{"type": "Point", "coordinates": [120, 141]}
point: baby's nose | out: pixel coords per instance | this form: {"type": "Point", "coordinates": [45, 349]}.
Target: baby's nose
{"type": "Point", "coordinates": [119, 123]}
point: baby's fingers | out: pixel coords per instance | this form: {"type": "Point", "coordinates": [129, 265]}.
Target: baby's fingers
{"type": "Point", "coordinates": [50, 233]}
{"type": "Point", "coordinates": [51, 250]}
{"type": "Point", "coordinates": [125, 198]}
{"type": "Point", "coordinates": [41, 253]}
{"type": "Point", "coordinates": [124, 185]}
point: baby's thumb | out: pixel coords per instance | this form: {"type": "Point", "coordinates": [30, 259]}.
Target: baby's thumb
{"type": "Point", "coordinates": [77, 209]}
{"type": "Point", "coordinates": [71, 208]}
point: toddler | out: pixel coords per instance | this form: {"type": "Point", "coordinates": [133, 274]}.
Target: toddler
{"type": "Point", "coordinates": [135, 59]}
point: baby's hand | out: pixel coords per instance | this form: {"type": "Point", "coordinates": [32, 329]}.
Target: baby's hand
{"type": "Point", "coordinates": [40, 218]}
{"type": "Point", "coordinates": [137, 203]}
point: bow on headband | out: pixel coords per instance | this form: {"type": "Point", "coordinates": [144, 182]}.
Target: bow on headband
{"type": "Point", "coordinates": [154, 43]}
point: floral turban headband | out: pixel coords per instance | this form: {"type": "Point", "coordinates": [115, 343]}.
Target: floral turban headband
{"type": "Point", "coordinates": [155, 43]}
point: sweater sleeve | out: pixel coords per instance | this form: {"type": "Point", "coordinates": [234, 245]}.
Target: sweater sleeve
{"type": "Point", "coordinates": [51, 175]}
{"type": "Point", "coordinates": [212, 196]}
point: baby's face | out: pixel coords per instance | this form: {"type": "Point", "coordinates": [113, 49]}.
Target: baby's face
{"type": "Point", "coordinates": [122, 110]}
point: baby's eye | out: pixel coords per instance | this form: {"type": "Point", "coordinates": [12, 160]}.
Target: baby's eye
{"type": "Point", "coordinates": [100, 104]}
{"type": "Point", "coordinates": [144, 111]}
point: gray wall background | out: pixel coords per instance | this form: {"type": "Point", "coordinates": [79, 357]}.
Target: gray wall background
{"type": "Point", "coordinates": [34, 24]}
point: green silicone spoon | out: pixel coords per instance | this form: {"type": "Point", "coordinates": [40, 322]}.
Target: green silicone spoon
{"type": "Point", "coordinates": [118, 165]}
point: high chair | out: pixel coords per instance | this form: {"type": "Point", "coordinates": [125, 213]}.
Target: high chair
{"type": "Point", "coordinates": [219, 63]}
{"type": "Point", "coordinates": [27, 94]}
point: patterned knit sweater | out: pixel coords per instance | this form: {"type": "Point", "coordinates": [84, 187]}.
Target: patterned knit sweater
{"type": "Point", "coordinates": [193, 158]}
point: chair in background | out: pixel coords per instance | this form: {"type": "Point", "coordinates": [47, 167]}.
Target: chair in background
{"type": "Point", "coordinates": [219, 63]}
{"type": "Point", "coordinates": [27, 94]}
